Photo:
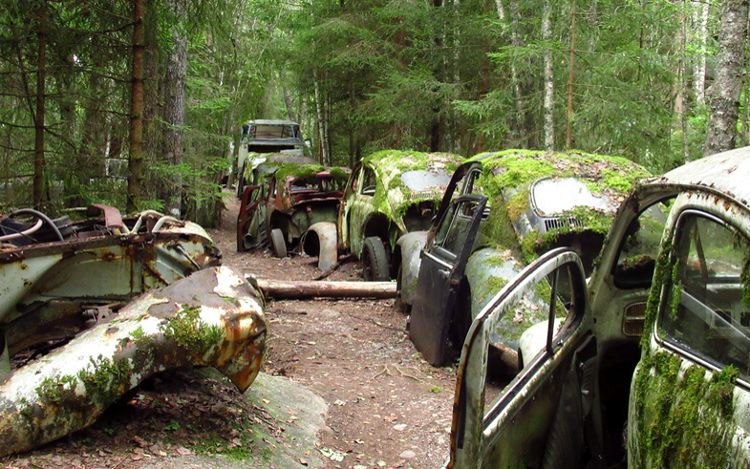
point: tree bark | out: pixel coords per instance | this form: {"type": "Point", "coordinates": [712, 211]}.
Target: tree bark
{"type": "Point", "coordinates": [325, 289]}
{"type": "Point", "coordinates": [515, 41]}
{"type": "Point", "coordinates": [135, 157]}
{"type": "Point", "coordinates": [571, 76]}
{"type": "Point", "coordinates": [321, 120]}
{"type": "Point", "coordinates": [701, 8]}
{"type": "Point", "coordinates": [549, 86]}
{"type": "Point", "coordinates": [724, 93]}
{"type": "Point", "coordinates": [41, 63]}
{"type": "Point", "coordinates": [174, 109]}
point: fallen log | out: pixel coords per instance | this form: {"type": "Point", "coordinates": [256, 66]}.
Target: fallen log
{"type": "Point", "coordinates": [323, 289]}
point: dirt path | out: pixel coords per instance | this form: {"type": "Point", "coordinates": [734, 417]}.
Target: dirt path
{"type": "Point", "coordinates": [386, 407]}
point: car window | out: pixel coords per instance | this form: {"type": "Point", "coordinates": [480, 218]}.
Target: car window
{"type": "Point", "coordinates": [637, 256]}
{"type": "Point", "coordinates": [368, 182]}
{"type": "Point", "coordinates": [529, 330]}
{"type": "Point", "coordinates": [708, 307]}
{"type": "Point", "coordinates": [454, 229]}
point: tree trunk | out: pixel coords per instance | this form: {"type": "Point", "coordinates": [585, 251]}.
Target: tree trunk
{"type": "Point", "coordinates": [549, 86]}
{"type": "Point", "coordinates": [174, 109]}
{"type": "Point", "coordinates": [700, 8]}
{"type": "Point", "coordinates": [38, 188]}
{"type": "Point", "coordinates": [135, 157]}
{"type": "Point", "coordinates": [724, 93]}
{"type": "Point", "coordinates": [515, 41]}
{"type": "Point", "coordinates": [571, 76]}
{"type": "Point", "coordinates": [321, 120]}
{"type": "Point", "coordinates": [320, 289]}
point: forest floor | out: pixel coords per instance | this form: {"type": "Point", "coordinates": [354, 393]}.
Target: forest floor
{"type": "Point", "coordinates": [342, 386]}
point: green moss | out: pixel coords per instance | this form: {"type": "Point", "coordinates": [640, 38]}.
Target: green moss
{"type": "Point", "coordinates": [495, 284]}
{"type": "Point", "coordinates": [685, 419]}
{"type": "Point", "coordinates": [662, 269]}
{"type": "Point", "coordinates": [53, 390]}
{"type": "Point", "coordinates": [305, 171]}
{"type": "Point", "coordinates": [105, 380]}
{"type": "Point", "coordinates": [190, 333]}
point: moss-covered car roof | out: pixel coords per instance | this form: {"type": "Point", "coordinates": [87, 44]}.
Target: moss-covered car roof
{"type": "Point", "coordinates": [507, 177]}
{"type": "Point", "coordinates": [392, 195]}
{"type": "Point", "coordinates": [302, 171]}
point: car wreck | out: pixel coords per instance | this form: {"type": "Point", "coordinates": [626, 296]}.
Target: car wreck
{"type": "Point", "coordinates": [655, 342]}
{"type": "Point", "coordinates": [500, 211]}
{"type": "Point", "coordinates": [73, 341]}
{"type": "Point", "coordinates": [389, 193]}
{"type": "Point", "coordinates": [288, 200]}
{"type": "Point", "coordinates": [257, 166]}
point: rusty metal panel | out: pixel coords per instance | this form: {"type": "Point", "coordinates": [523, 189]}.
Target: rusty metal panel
{"type": "Point", "coordinates": [212, 318]}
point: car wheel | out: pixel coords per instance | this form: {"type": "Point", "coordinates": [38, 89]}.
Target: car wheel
{"type": "Point", "coordinates": [278, 244]}
{"type": "Point", "coordinates": [374, 260]}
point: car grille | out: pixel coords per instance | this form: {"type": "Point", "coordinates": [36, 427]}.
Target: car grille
{"type": "Point", "coordinates": [561, 222]}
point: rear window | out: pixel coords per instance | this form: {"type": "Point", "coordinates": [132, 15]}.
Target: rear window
{"type": "Point", "coordinates": [272, 131]}
{"type": "Point", "coordinates": [422, 181]}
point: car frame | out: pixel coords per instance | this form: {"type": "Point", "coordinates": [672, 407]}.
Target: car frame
{"type": "Point", "coordinates": [655, 341]}
{"type": "Point", "coordinates": [522, 203]}
{"type": "Point", "coordinates": [286, 201]}
{"type": "Point", "coordinates": [73, 339]}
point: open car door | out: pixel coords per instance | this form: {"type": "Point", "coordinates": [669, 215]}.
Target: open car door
{"type": "Point", "coordinates": [545, 416]}
{"type": "Point", "coordinates": [251, 219]}
{"type": "Point", "coordinates": [449, 244]}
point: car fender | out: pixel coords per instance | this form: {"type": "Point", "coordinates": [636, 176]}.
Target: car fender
{"type": "Point", "coordinates": [321, 240]}
{"type": "Point", "coordinates": [411, 246]}
{"type": "Point", "coordinates": [211, 318]}
{"type": "Point", "coordinates": [488, 270]}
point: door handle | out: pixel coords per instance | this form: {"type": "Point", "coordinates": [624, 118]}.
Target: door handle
{"type": "Point", "coordinates": [443, 274]}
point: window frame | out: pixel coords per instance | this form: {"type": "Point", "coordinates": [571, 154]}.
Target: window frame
{"type": "Point", "coordinates": [660, 334]}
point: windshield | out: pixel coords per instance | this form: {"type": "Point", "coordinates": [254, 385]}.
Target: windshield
{"type": "Point", "coordinates": [317, 184]}
{"type": "Point", "coordinates": [272, 131]}
{"type": "Point", "coordinates": [555, 196]}
{"type": "Point", "coordinates": [423, 181]}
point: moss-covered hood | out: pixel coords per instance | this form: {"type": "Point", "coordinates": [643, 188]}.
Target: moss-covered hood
{"type": "Point", "coordinates": [406, 177]}
{"type": "Point", "coordinates": [507, 178]}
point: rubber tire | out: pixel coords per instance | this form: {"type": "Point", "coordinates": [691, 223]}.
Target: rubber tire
{"type": "Point", "coordinates": [278, 244]}
{"type": "Point", "coordinates": [375, 266]}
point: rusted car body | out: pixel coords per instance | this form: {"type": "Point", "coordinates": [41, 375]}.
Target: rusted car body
{"type": "Point", "coordinates": [289, 199]}
{"type": "Point", "coordinates": [389, 193]}
{"type": "Point", "coordinates": [267, 136]}
{"type": "Point", "coordinates": [71, 343]}
{"type": "Point", "coordinates": [500, 211]}
{"type": "Point", "coordinates": [257, 166]}
{"type": "Point", "coordinates": [655, 342]}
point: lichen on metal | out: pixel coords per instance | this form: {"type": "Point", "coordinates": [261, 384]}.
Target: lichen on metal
{"type": "Point", "coordinates": [211, 318]}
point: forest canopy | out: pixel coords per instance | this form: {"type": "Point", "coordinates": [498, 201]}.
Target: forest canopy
{"type": "Point", "coordinates": [140, 103]}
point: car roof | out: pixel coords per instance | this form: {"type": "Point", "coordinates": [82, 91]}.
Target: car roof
{"type": "Point", "coordinates": [272, 122]}
{"type": "Point", "coordinates": [515, 169]}
{"type": "Point", "coordinates": [727, 173]}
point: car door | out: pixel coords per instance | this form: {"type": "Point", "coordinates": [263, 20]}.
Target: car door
{"type": "Point", "coordinates": [541, 417]}
{"type": "Point", "coordinates": [251, 218]}
{"type": "Point", "coordinates": [360, 206]}
{"type": "Point", "coordinates": [689, 400]}
{"type": "Point", "coordinates": [449, 245]}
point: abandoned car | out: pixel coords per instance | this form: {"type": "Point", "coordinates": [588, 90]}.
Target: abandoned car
{"type": "Point", "coordinates": [389, 193]}
{"type": "Point", "coordinates": [72, 339]}
{"type": "Point", "coordinates": [655, 344]}
{"type": "Point", "coordinates": [269, 136]}
{"type": "Point", "coordinates": [287, 201]}
{"type": "Point", "coordinates": [500, 211]}
{"type": "Point", "coordinates": [256, 166]}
